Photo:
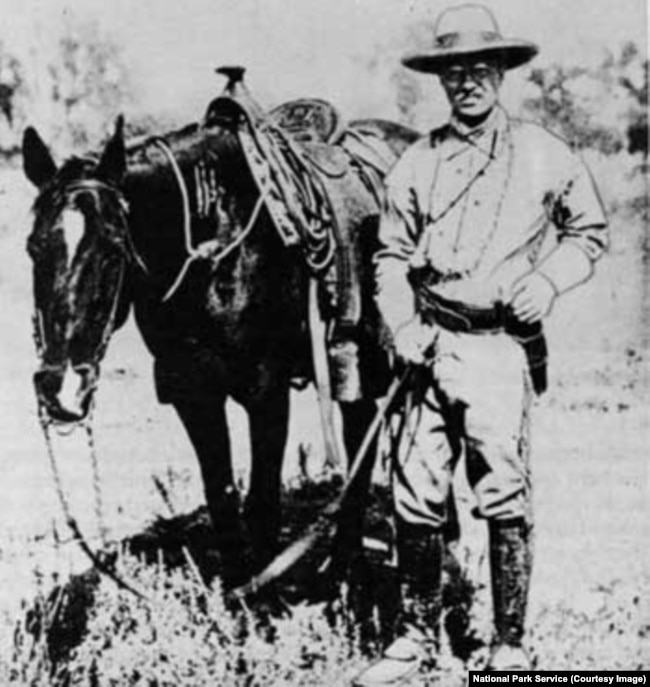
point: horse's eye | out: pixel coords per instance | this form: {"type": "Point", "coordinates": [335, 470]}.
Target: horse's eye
{"type": "Point", "coordinates": [42, 243]}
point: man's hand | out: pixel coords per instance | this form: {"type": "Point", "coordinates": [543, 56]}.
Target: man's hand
{"type": "Point", "coordinates": [532, 297]}
{"type": "Point", "coordinates": [413, 341]}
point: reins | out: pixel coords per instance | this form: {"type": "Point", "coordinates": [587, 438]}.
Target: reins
{"type": "Point", "coordinates": [46, 422]}
{"type": "Point", "coordinates": [207, 249]}
{"type": "Point", "coordinates": [98, 560]}
{"type": "Point", "coordinates": [216, 253]}
{"type": "Point", "coordinates": [204, 250]}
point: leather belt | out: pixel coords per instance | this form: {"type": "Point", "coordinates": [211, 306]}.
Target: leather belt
{"type": "Point", "coordinates": [458, 317]}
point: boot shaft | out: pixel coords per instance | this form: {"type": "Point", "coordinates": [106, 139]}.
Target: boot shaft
{"type": "Point", "coordinates": [420, 554]}
{"type": "Point", "coordinates": [510, 566]}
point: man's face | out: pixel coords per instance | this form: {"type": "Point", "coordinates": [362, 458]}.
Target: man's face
{"type": "Point", "coordinates": [472, 86]}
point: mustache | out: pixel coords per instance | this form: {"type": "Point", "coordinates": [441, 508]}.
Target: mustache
{"type": "Point", "coordinates": [469, 93]}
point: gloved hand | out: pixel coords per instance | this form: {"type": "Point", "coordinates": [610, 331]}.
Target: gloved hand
{"type": "Point", "coordinates": [532, 297]}
{"type": "Point", "coordinates": [414, 342]}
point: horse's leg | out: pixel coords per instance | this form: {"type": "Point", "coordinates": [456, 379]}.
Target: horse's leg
{"type": "Point", "coordinates": [207, 428]}
{"type": "Point", "coordinates": [269, 426]}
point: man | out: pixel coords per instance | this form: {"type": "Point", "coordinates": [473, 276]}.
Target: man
{"type": "Point", "coordinates": [488, 221]}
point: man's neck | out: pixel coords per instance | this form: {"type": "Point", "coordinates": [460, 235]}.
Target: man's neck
{"type": "Point", "coordinates": [473, 122]}
{"type": "Point", "coordinates": [475, 127]}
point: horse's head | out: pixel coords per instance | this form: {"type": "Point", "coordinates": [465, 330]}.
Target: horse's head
{"type": "Point", "coordinates": [79, 246]}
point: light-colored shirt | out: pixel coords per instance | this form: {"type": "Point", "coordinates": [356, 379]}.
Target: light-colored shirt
{"type": "Point", "coordinates": [476, 209]}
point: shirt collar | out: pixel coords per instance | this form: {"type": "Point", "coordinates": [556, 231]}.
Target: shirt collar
{"type": "Point", "coordinates": [488, 136]}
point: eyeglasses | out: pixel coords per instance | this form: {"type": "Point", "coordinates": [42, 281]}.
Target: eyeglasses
{"type": "Point", "coordinates": [456, 76]}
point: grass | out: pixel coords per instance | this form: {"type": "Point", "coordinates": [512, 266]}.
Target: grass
{"type": "Point", "coordinates": [183, 635]}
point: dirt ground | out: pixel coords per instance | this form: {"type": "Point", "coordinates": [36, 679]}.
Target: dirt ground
{"type": "Point", "coordinates": [590, 443]}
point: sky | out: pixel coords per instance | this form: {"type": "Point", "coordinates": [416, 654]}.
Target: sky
{"type": "Point", "coordinates": [294, 48]}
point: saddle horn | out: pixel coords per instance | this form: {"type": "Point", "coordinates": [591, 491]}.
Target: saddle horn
{"type": "Point", "coordinates": [235, 76]}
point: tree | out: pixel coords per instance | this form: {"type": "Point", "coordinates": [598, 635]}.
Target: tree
{"type": "Point", "coordinates": [603, 108]}
{"type": "Point", "coordinates": [637, 129]}
{"type": "Point", "coordinates": [89, 82]}
{"type": "Point", "coordinates": [12, 97]}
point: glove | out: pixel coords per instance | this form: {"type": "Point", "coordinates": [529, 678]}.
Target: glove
{"type": "Point", "coordinates": [414, 342]}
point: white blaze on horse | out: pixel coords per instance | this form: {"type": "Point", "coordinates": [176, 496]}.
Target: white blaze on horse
{"type": "Point", "coordinates": [111, 233]}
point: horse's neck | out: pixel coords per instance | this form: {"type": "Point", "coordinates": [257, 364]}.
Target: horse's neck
{"type": "Point", "coordinates": [258, 269]}
{"type": "Point", "coordinates": [155, 195]}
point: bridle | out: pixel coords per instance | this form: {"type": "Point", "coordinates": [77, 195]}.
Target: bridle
{"type": "Point", "coordinates": [93, 185]}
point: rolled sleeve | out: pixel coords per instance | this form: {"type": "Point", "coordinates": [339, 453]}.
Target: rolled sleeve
{"type": "Point", "coordinates": [578, 215]}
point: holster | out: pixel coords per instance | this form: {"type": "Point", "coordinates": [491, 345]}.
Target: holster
{"type": "Point", "coordinates": [458, 317]}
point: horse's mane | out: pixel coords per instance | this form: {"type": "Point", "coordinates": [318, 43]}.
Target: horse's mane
{"type": "Point", "coordinates": [189, 143]}
{"type": "Point", "coordinates": [174, 137]}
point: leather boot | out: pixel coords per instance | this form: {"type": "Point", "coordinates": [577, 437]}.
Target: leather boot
{"type": "Point", "coordinates": [510, 567]}
{"type": "Point", "coordinates": [420, 551]}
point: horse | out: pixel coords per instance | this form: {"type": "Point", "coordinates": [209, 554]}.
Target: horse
{"type": "Point", "coordinates": [108, 238]}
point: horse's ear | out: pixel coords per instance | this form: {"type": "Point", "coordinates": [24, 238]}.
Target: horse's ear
{"type": "Point", "coordinates": [37, 161]}
{"type": "Point", "coordinates": [112, 165]}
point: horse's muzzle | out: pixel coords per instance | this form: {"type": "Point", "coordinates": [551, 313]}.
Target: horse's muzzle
{"type": "Point", "coordinates": [66, 393]}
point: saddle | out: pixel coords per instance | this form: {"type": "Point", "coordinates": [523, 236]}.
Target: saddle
{"type": "Point", "coordinates": [317, 127]}
{"type": "Point", "coordinates": [298, 153]}
{"type": "Point", "coordinates": [328, 142]}
{"type": "Point", "coordinates": [309, 121]}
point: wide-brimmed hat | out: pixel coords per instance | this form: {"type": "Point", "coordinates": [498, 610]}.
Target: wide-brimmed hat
{"type": "Point", "coordinates": [469, 31]}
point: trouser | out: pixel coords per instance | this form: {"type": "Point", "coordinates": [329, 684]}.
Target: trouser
{"type": "Point", "coordinates": [476, 398]}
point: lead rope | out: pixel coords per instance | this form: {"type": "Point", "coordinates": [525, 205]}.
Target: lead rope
{"type": "Point", "coordinates": [206, 249]}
